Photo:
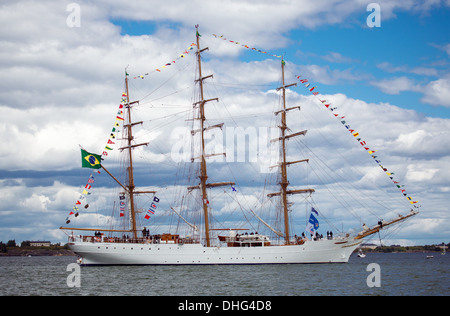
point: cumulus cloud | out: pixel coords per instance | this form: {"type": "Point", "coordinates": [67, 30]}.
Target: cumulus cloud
{"type": "Point", "coordinates": [426, 71]}
{"type": "Point", "coordinates": [435, 92]}
{"type": "Point", "coordinates": [438, 92]}
{"type": "Point", "coordinates": [396, 85]}
{"type": "Point", "coordinates": [335, 57]}
{"type": "Point", "coordinates": [249, 18]}
{"type": "Point", "coordinates": [327, 75]}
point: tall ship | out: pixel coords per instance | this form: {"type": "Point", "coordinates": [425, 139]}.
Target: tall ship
{"type": "Point", "coordinates": [195, 235]}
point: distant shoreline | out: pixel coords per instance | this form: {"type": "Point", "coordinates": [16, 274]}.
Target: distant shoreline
{"type": "Point", "coordinates": [36, 252]}
{"type": "Point", "coordinates": [405, 249]}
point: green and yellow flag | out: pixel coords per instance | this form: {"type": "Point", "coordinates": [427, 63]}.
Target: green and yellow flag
{"type": "Point", "coordinates": [89, 160]}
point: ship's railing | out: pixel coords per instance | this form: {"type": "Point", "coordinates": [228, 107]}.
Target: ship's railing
{"type": "Point", "coordinates": [300, 240]}
{"type": "Point", "coordinates": [156, 239]}
{"type": "Point", "coordinates": [244, 240]}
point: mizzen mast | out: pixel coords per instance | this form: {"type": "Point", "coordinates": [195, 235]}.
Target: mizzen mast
{"type": "Point", "coordinates": [203, 171]}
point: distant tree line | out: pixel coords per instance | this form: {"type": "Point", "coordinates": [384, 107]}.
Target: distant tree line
{"type": "Point", "coordinates": [3, 246]}
{"type": "Point", "coordinates": [398, 248]}
{"type": "Point", "coordinates": [12, 243]}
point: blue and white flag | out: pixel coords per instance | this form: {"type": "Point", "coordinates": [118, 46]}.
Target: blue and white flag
{"type": "Point", "coordinates": [313, 223]}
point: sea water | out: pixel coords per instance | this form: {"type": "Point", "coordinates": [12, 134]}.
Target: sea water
{"type": "Point", "coordinates": [399, 274]}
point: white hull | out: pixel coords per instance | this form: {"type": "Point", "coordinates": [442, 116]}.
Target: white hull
{"type": "Point", "coordinates": [103, 253]}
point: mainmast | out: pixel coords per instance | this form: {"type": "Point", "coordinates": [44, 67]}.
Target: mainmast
{"type": "Point", "coordinates": [284, 183]}
{"type": "Point", "coordinates": [203, 170]}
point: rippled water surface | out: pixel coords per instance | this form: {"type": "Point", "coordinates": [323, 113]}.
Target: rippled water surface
{"type": "Point", "coordinates": [401, 274]}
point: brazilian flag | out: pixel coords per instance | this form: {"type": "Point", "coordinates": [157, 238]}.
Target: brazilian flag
{"type": "Point", "coordinates": [89, 160]}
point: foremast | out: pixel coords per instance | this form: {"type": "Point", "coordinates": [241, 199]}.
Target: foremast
{"type": "Point", "coordinates": [130, 187]}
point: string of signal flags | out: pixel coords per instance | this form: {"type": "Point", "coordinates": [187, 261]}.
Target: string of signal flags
{"type": "Point", "coordinates": [93, 161]}
{"type": "Point", "coordinates": [191, 47]}
{"type": "Point", "coordinates": [357, 136]}
{"type": "Point", "coordinates": [341, 119]}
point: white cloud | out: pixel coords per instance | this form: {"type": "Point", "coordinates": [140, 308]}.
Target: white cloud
{"type": "Point", "coordinates": [425, 138]}
{"type": "Point", "coordinates": [425, 226]}
{"type": "Point", "coordinates": [420, 172]}
{"type": "Point", "coordinates": [437, 92]}
{"type": "Point", "coordinates": [255, 72]}
{"type": "Point", "coordinates": [247, 19]}
{"type": "Point", "coordinates": [240, 19]}
{"type": "Point", "coordinates": [47, 138]}
{"type": "Point", "coordinates": [327, 75]}
{"type": "Point", "coordinates": [334, 57]}
{"type": "Point", "coordinates": [396, 85]}
{"type": "Point", "coordinates": [425, 71]}
{"type": "Point", "coordinates": [447, 48]}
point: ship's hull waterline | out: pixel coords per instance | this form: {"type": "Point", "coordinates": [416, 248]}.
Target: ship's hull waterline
{"type": "Point", "coordinates": [322, 251]}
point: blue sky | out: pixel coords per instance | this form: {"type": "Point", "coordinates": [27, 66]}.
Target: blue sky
{"type": "Point", "coordinates": [407, 41]}
{"type": "Point", "coordinates": [60, 86]}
